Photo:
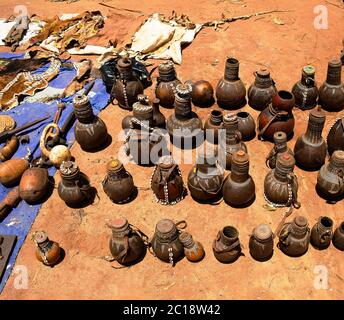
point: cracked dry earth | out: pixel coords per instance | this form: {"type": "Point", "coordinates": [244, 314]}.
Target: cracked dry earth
{"type": "Point", "coordinates": [284, 48]}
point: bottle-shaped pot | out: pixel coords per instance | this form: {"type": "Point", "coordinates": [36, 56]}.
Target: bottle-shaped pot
{"type": "Point", "coordinates": [202, 93]}
{"type": "Point", "coordinates": [238, 188]}
{"type": "Point", "coordinates": [167, 182]}
{"type": "Point", "coordinates": [165, 243]}
{"type": "Point", "coordinates": [166, 84]}
{"type": "Point", "coordinates": [310, 149]}
{"type": "Point", "coordinates": [118, 184]}
{"type": "Point", "coordinates": [226, 246]}
{"type": "Point", "coordinates": [205, 179]}
{"type": "Point", "coordinates": [261, 243]}
{"type": "Point", "coordinates": [306, 91]}
{"type": "Point", "coordinates": [261, 91]}
{"type": "Point", "coordinates": [127, 87]}
{"type": "Point", "coordinates": [294, 237]}
{"type": "Point", "coordinates": [338, 237]}
{"type": "Point", "coordinates": [331, 93]}
{"type": "Point", "coordinates": [322, 233]}
{"type": "Point", "coordinates": [330, 180]}
{"type": "Point", "coordinates": [184, 126]}
{"type": "Point", "coordinates": [230, 90]}
{"type": "Point", "coordinates": [158, 117]}
{"type": "Point", "coordinates": [90, 131]}
{"type": "Point", "coordinates": [212, 125]}
{"type": "Point", "coordinates": [231, 143]}
{"type": "Point", "coordinates": [48, 252]}
{"type": "Point", "coordinates": [335, 137]}
{"type": "Point", "coordinates": [280, 146]}
{"type": "Point", "coordinates": [193, 250]}
{"type": "Point", "coordinates": [74, 188]}
{"type": "Point", "coordinates": [246, 125]}
{"type": "Point", "coordinates": [280, 184]}
{"type": "Point", "coordinates": [278, 116]}
{"type": "Point", "coordinates": [127, 244]}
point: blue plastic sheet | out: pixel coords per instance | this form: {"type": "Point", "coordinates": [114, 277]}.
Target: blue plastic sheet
{"type": "Point", "coordinates": [20, 220]}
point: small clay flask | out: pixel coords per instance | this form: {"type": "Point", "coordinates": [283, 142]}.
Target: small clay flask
{"type": "Point", "coordinates": [294, 237]}
{"type": "Point", "coordinates": [127, 87]}
{"type": "Point", "coordinates": [226, 246]}
{"type": "Point", "coordinates": [158, 117]}
{"type": "Point", "coordinates": [166, 84]}
{"type": "Point", "coordinates": [165, 243]}
{"type": "Point", "coordinates": [310, 149]}
{"type": "Point", "coordinates": [212, 125]}
{"type": "Point", "coordinates": [246, 126]}
{"type": "Point", "coordinates": [338, 237]}
{"type": "Point", "coordinates": [193, 250]}
{"type": "Point", "coordinates": [322, 233]}
{"type": "Point", "coordinates": [202, 93]}
{"type": "Point", "coordinates": [118, 184]}
{"type": "Point", "coordinates": [261, 91]}
{"type": "Point", "coordinates": [238, 188]}
{"type": "Point", "coordinates": [280, 146]}
{"type": "Point", "coordinates": [261, 243]}
{"type": "Point", "coordinates": [127, 244]}
{"type": "Point", "coordinates": [90, 131]}
{"type": "Point", "coordinates": [330, 180]}
{"type": "Point", "coordinates": [305, 91]}
{"type": "Point", "coordinates": [280, 184]}
{"type": "Point", "coordinates": [48, 252]}
{"type": "Point", "coordinates": [331, 93]}
{"type": "Point", "coordinates": [335, 137]}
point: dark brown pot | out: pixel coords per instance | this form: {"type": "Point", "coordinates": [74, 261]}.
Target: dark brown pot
{"type": "Point", "coordinates": [230, 90]}
{"type": "Point", "coordinates": [238, 188]}
{"type": "Point", "coordinates": [338, 237]}
{"type": "Point", "coordinates": [202, 93]}
{"type": "Point", "coordinates": [158, 117]}
{"type": "Point", "coordinates": [335, 137]}
{"type": "Point", "coordinates": [48, 252]}
{"type": "Point", "coordinates": [331, 93]}
{"type": "Point", "coordinates": [246, 126]}
{"type": "Point", "coordinates": [118, 184]}
{"type": "Point", "coordinates": [280, 146]}
{"type": "Point", "coordinates": [193, 250]}
{"type": "Point", "coordinates": [310, 149]}
{"type": "Point", "coordinates": [126, 244]}
{"type": "Point", "coordinates": [166, 84]}
{"type": "Point", "coordinates": [90, 131]}
{"type": "Point", "coordinates": [12, 170]}
{"type": "Point", "coordinates": [322, 233]}
{"type": "Point", "coordinates": [305, 91]}
{"type": "Point", "coordinates": [212, 125]}
{"type": "Point", "coordinates": [261, 243]}
{"type": "Point", "coordinates": [294, 237]}
{"type": "Point", "coordinates": [226, 246]}
{"type": "Point", "coordinates": [261, 91]}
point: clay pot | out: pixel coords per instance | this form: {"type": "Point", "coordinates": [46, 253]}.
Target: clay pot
{"type": "Point", "coordinates": [118, 184]}
{"type": "Point", "coordinates": [330, 181]}
{"type": "Point", "coordinates": [310, 149]}
{"type": "Point", "coordinates": [238, 188]}
{"type": "Point", "coordinates": [280, 181]}
{"type": "Point", "coordinates": [226, 246]}
{"type": "Point", "coordinates": [322, 233]}
{"type": "Point", "coordinates": [166, 84]}
{"type": "Point", "coordinates": [193, 250]}
{"type": "Point", "coordinates": [74, 188]}
{"type": "Point", "coordinates": [246, 126]}
{"type": "Point", "coordinates": [331, 93]}
{"type": "Point", "coordinates": [90, 131]}
{"type": "Point", "coordinates": [335, 137]}
{"type": "Point", "coordinates": [261, 243]}
{"type": "Point", "coordinates": [338, 237]}
{"type": "Point", "coordinates": [165, 243]}
{"type": "Point", "coordinates": [205, 179]}
{"type": "Point", "coordinates": [12, 170]}
{"type": "Point", "coordinates": [294, 237]}
{"type": "Point", "coordinates": [305, 91]}
{"type": "Point", "coordinates": [202, 93]}
{"type": "Point", "coordinates": [280, 146]}
{"type": "Point", "coordinates": [34, 185]}
{"type": "Point", "coordinates": [48, 252]}
{"type": "Point", "coordinates": [212, 125]}
{"type": "Point", "coordinates": [278, 116]}
{"type": "Point", "coordinates": [158, 117]}
{"type": "Point", "coordinates": [127, 244]}
{"type": "Point", "coordinates": [127, 87]}
{"type": "Point", "coordinates": [261, 91]}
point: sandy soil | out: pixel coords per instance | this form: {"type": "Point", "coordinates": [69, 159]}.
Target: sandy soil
{"type": "Point", "coordinates": [82, 233]}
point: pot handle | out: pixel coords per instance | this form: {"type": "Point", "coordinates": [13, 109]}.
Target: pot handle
{"type": "Point", "coordinates": [181, 225]}
{"type": "Point", "coordinates": [228, 249]}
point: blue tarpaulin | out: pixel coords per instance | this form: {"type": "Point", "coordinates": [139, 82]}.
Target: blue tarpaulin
{"type": "Point", "coordinates": [20, 220]}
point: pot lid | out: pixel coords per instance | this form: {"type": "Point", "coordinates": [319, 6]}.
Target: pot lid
{"type": "Point", "coordinates": [262, 232]}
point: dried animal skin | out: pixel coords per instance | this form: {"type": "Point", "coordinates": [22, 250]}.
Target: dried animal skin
{"type": "Point", "coordinates": [17, 32]}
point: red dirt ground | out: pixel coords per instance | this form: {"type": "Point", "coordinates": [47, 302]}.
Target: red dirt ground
{"type": "Point", "coordinates": [82, 233]}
